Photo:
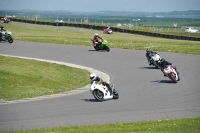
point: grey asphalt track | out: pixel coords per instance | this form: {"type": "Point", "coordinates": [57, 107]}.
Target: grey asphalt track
{"type": "Point", "coordinates": [144, 93]}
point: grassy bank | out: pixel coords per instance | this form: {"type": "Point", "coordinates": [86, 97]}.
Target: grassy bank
{"type": "Point", "coordinates": [80, 36]}
{"type": "Point", "coordinates": [186, 125]}
{"type": "Point", "coordinates": [21, 78]}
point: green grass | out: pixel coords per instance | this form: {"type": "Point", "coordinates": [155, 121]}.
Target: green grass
{"type": "Point", "coordinates": [80, 36]}
{"type": "Point", "coordinates": [21, 78]}
{"type": "Point", "coordinates": [186, 125]}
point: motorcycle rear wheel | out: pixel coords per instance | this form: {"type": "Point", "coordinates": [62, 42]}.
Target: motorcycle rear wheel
{"type": "Point", "coordinates": [98, 95]}
{"type": "Point", "coordinates": [96, 48]}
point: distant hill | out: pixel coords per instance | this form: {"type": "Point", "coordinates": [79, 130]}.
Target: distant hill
{"type": "Point", "coordinates": [174, 14]}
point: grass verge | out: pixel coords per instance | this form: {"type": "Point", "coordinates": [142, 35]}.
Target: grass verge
{"type": "Point", "coordinates": [81, 36]}
{"type": "Point", "coordinates": [22, 78]}
{"type": "Point", "coordinates": [185, 125]}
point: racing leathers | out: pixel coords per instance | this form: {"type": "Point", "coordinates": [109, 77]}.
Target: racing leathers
{"type": "Point", "coordinates": [1, 29]}
{"type": "Point", "coordinates": [164, 63]}
{"type": "Point", "coordinates": [148, 55]}
{"type": "Point", "coordinates": [98, 79]}
{"type": "Point", "coordinates": [97, 39]}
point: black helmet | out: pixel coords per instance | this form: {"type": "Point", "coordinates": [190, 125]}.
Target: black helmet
{"type": "Point", "coordinates": [162, 60]}
{"type": "Point", "coordinates": [2, 26]}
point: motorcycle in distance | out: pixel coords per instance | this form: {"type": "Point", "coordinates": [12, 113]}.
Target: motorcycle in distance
{"type": "Point", "coordinates": [101, 44]}
{"type": "Point", "coordinates": [107, 31]}
{"type": "Point", "coordinates": [101, 92]}
{"type": "Point", "coordinates": [171, 73]}
{"type": "Point", "coordinates": [6, 36]}
{"type": "Point", "coordinates": [155, 59]}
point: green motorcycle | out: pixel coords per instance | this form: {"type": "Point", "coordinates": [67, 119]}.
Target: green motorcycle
{"type": "Point", "coordinates": [102, 44]}
{"type": "Point", "coordinates": [6, 36]}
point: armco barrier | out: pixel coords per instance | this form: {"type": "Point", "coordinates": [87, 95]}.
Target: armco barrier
{"type": "Point", "coordinates": [44, 23]}
{"type": "Point", "coordinates": [143, 32]}
{"type": "Point", "coordinates": [147, 34]}
{"type": "Point", "coordinates": [178, 37]}
{"type": "Point", "coordinates": [115, 29]}
{"type": "Point", "coordinates": [79, 25]}
{"type": "Point", "coordinates": [161, 35]}
{"type": "Point", "coordinates": [151, 33]}
{"type": "Point", "coordinates": [101, 27]}
{"type": "Point", "coordinates": [197, 39]}
{"type": "Point", "coordinates": [187, 38]}
{"type": "Point", "coordinates": [95, 27]}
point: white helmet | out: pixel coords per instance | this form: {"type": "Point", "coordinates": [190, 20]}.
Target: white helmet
{"type": "Point", "coordinates": [93, 76]}
{"type": "Point", "coordinates": [96, 34]}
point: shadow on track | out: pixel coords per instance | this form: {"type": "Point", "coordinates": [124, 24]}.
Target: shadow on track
{"type": "Point", "coordinates": [90, 100]}
{"type": "Point", "coordinates": [164, 81]}
{"type": "Point", "coordinates": [97, 51]}
{"type": "Point", "coordinates": [148, 68]}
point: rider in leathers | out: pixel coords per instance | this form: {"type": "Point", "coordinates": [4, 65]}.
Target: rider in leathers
{"type": "Point", "coordinates": [1, 29]}
{"type": "Point", "coordinates": [93, 78]}
{"type": "Point", "coordinates": [163, 63]}
{"type": "Point", "coordinates": [149, 53]}
{"type": "Point", "coordinates": [96, 38]}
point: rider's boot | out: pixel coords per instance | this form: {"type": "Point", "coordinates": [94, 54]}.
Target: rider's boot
{"type": "Point", "coordinates": [149, 61]}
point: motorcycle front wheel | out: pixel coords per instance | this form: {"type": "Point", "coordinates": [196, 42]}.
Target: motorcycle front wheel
{"type": "Point", "coordinates": [115, 94]}
{"type": "Point", "coordinates": [107, 49]}
{"type": "Point", "coordinates": [10, 40]}
{"type": "Point", "coordinates": [173, 78]}
{"type": "Point", "coordinates": [98, 95]}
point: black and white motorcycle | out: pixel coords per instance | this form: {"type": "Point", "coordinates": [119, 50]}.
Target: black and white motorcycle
{"type": "Point", "coordinates": [6, 36]}
{"type": "Point", "coordinates": [101, 92]}
{"type": "Point", "coordinates": [155, 59]}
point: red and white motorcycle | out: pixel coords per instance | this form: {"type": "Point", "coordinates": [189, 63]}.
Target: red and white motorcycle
{"type": "Point", "coordinates": [171, 73]}
{"type": "Point", "coordinates": [107, 31]}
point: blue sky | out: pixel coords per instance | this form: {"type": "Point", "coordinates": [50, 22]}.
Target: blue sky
{"type": "Point", "coordinates": [102, 5]}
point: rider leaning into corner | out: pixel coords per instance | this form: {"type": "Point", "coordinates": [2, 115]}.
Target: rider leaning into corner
{"type": "Point", "coordinates": [96, 38]}
{"type": "Point", "coordinates": [163, 63]}
{"type": "Point", "coordinates": [1, 29]}
{"type": "Point", "coordinates": [149, 54]}
{"type": "Point", "coordinates": [94, 77]}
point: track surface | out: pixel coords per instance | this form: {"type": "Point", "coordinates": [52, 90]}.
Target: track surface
{"type": "Point", "coordinates": [145, 94]}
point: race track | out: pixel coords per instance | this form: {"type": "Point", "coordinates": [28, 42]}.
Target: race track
{"type": "Point", "coordinates": [145, 94]}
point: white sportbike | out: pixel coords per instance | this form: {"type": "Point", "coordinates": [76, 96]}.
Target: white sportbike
{"type": "Point", "coordinates": [155, 59]}
{"type": "Point", "coordinates": [101, 92]}
{"type": "Point", "coordinates": [171, 73]}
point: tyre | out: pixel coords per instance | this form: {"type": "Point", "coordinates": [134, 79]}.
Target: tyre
{"type": "Point", "coordinates": [10, 40]}
{"type": "Point", "coordinates": [98, 95]}
{"type": "Point", "coordinates": [178, 77]}
{"type": "Point", "coordinates": [115, 94]}
{"type": "Point", "coordinates": [173, 78]}
{"type": "Point", "coordinates": [96, 48]}
{"type": "Point", "coordinates": [107, 49]}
